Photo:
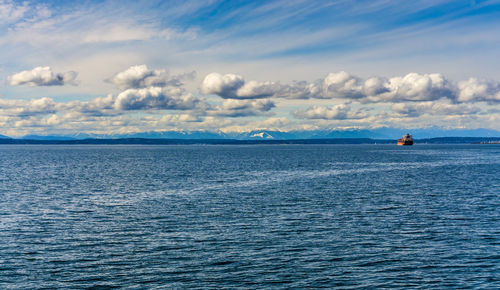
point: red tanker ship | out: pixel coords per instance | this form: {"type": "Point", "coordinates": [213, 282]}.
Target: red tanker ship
{"type": "Point", "coordinates": [406, 140]}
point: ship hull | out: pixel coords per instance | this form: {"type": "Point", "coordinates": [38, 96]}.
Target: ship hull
{"type": "Point", "coordinates": [405, 143]}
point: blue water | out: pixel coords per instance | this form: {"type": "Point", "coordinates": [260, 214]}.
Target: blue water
{"type": "Point", "coordinates": [262, 216]}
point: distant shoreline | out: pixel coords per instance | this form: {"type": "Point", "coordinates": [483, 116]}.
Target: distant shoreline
{"type": "Point", "coordinates": [148, 141]}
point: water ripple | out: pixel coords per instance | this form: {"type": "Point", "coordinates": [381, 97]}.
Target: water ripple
{"type": "Point", "coordinates": [305, 216]}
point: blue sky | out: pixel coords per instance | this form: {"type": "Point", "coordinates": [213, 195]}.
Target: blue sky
{"type": "Point", "coordinates": [133, 66]}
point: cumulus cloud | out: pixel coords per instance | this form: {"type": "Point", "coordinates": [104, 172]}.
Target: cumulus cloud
{"type": "Point", "coordinates": [43, 106]}
{"type": "Point", "coordinates": [301, 90]}
{"type": "Point", "coordinates": [175, 119]}
{"type": "Point", "coordinates": [343, 85]}
{"type": "Point", "coordinates": [140, 76]}
{"type": "Point", "coordinates": [102, 106]}
{"type": "Point", "coordinates": [337, 112]}
{"type": "Point", "coordinates": [415, 87]}
{"type": "Point", "coordinates": [412, 87]}
{"type": "Point", "coordinates": [156, 98]}
{"type": "Point", "coordinates": [42, 76]}
{"type": "Point", "coordinates": [424, 99]}
{"type": "Point", "coordinates": [153, 98]}
{"type": "Point", "coordinates": [340, 85]}
{"type": "Point", "coordinates": [224, 86]}
{"type": "Point", "coordinates": [241, 108]}
{"type": "Point", "coordinates": [434, 108]}
{"type": "Point", "coordinates": [478, 90]}
{"type": "Point", "coordinates": [257, 90]}
{"type": "Point", "coordinates": [25, 108]}
{"type": "Point", "coordinates": [375, 86]}
{"type": "Point", "coordinates": [231, 86]}
{"type": "Point", "coordinates": [145, 90]}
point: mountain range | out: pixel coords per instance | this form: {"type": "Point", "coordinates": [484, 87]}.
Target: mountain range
{"type": "Point", "coordinates": [379, 133]}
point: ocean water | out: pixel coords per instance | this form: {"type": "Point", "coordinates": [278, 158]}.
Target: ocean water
{"type": "Point", "coordinates": [260, 216]}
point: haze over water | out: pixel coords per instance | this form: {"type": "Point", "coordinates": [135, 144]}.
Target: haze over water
{"type": "Point", "coordinates": [260, 216]}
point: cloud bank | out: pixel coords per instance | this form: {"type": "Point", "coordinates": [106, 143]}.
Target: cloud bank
{"type": "Point", "coordinates": [152, 99]}
{"type": "Point", "coordinates": [412, 87]}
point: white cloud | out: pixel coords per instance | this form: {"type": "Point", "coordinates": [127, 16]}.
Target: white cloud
{"type": "Point", "coordinates": [102, 106]}
{"type": "Point", "coordinates": [412, 87]}
{"type": "Point", "coordinates": [374, 86]}
{"type": "Point", "coordinates": [232, 86]}
{"type": "Point", "coordinates": [478, 90]}
{"type": "Point", "coordinates": [117, 33]}
{"type": "Point", "coordinates": [84, 24]}
{"type": "Point", "coordinates": [152, 98]}
{"type": "Point", "coordinates": [241, 108]}
{"type": "Point", "coordinates": [302, 90]}
{"type": "Point", "coordinates": [11, 11]}
{"type": "Point", "coordinates": [25, 108]}
{"type": "Point", "coordinates": [140, 76]}
{"type": "Point", "coordinates": [155, 98]}
{"type": "Point", "coordinates": [342, 85]}
{"type": "Point", "coordinates": [416, 87]}
{"type": "Point", "coordinates": [337, 112]}
{"type": "Point", "coordinates": [225, 86]}
{"type": "Point", "coordinates": [42, 76]}
{"type": "Point", "coordinates": [434, 108]}
{"type": "Point", "coordinates": [236, 125]}
{"type": "Point", "coordinates": [257, 90]}
{"type": "Point", "coordinates": [274, 123]}
{"type": "Point", "coordinates": [418, 99]}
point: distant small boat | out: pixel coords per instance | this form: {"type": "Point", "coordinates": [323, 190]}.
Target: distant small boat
{"type": "Point", "coordinates": [406, 140]}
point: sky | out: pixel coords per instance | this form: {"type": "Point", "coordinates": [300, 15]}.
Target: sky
{"type": "Point", "coordinates": [115, 67]}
